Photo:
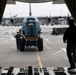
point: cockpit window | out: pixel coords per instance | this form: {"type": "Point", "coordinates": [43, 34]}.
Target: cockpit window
{"type": "Point", "coordinates": [30, 19]}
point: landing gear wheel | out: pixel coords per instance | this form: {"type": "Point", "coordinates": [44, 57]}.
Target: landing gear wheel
{"type": "Point", "coordinates": [40, 44]}
{"type": "Point", "coordinates": [22, 44]}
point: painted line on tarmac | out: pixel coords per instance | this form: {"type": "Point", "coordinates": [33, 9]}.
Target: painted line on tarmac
{"type": "Point", "coordinates": [39, 59]}
{"type": "Point", "coordinates": [52, 55]}
{"type": "Point", "coordinates": [47, 46]}
{"type": "Point", "coordinates": [12, 38]}
{"type": "Point", "coordinates": [54, 58]}
{"type": "Point", "coordinates": [62, 49]}
{"type": "Point", "coordinates": [58, 52]}
{"type": "Point", "coordinates": [46, 40]}
{"type": "Point", "coordinates": [66, 58]}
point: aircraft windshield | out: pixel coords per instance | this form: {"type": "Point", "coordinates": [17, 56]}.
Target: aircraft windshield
{"type": "Point", "coordinates": [30, 19]}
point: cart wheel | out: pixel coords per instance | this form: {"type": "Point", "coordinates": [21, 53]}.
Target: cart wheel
{"type": "Point", "coordinates": [22, 44]}
{"type": "Point", "coordinates": [40, 44]}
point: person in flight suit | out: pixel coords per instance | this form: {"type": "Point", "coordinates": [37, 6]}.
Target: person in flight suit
{"type": "Point", "coordinates": [17, 36]}
{"type": "Point", "coordinates": [69, 37]}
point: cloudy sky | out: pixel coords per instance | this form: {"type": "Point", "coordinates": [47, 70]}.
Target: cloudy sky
{"type": "Point", "coordinates": [38, 9]}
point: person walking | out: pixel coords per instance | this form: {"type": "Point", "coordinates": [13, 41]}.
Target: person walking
{"type": "Point", "coordinates": [17, 36]}
{"type": "Point", "coordinates": [69, 37]}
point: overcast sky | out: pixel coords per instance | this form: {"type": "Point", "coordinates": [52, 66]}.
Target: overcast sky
{"type": "Point", "coordinates": [38, 9]}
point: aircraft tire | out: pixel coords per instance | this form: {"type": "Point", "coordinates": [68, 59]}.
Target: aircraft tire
{"type": "Point", "coordinates": [40, 44]}
{"type": "Point", "coordinates": [22, 44]}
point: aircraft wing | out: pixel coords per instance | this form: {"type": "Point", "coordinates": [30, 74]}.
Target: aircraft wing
{"type": "Point", "coordinates": [36, 1]}
{"type": "Point", "coordinates": [10, 2]}
{"type": "Point", "coordinates": [58, 2]}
